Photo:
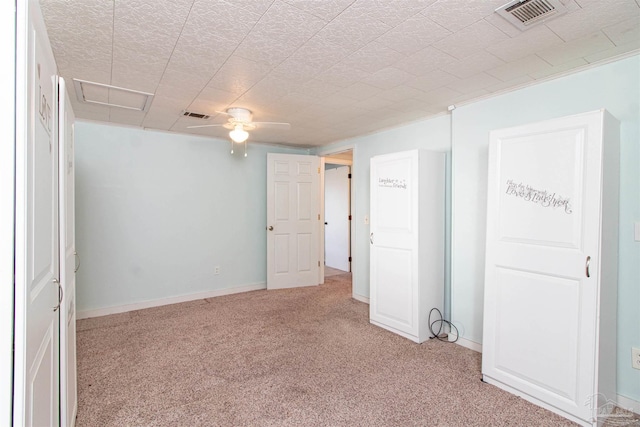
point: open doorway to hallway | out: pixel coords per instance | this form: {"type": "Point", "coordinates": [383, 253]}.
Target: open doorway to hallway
{"type": "Point", "coordinates": [337, 213]}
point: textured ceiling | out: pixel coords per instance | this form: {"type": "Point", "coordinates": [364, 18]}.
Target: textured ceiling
{"type": "Point", "coordinates": [334, 69]}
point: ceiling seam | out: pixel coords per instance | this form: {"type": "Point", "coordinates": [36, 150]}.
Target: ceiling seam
{"type": "Point", "coordinates": [278, 64]}
{"type": "Point", "coordinates": [607, 36]}
{"type": "Point", "coordinates": [168, 61]}
{"type": "Point", "coordinates": [113, 37]}
{"type": "Point", "coordinates": [296, 50]}
{"type": "Point", "coordinates": [558, 35]}
{"type": "Point", "coordinates": [223, 63]}
{"type": "Point", "coordinates": [320, 17]}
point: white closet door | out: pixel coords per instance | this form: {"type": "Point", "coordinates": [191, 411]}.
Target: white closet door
{"type": "Point", "coordinates": [36, 380]}
{"type": "Point", "coordinates": [394, 241]}
{"type": "Point", "coordinates": [293, 218]}
{"type": "Point", "coordinates": [541, 282]}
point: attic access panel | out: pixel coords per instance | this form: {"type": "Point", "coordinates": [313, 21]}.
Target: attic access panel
{"type": "Point", "coordinates": [524, 14]}
{"type": "Point", "coordinates": [112, 96]}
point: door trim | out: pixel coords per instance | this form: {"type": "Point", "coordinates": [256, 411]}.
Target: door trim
{"type": "Point", "coordinates": [7, 201]}
{"type": "Point", "coordinates": [354, 214]}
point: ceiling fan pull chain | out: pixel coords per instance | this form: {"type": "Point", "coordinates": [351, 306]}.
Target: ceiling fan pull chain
{"type": "Point", "coordinates": [245, 148]}
{"type": "Point", "coordinates": [231, 147]}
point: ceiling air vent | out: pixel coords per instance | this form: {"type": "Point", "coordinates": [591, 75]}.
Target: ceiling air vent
{"type": "Point", "coordinates": [527, 13]}
{"type": "Point", "coordinates": [195, 115]}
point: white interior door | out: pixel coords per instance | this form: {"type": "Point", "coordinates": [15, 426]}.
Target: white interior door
{"type": "Point", "coordinates": [394, 241]}
{"type": "Point", "coordinates": [293, 217]}
{"type": "Point", "coordinates": [543, 223]}
{"type": "Point", "coordinates": [336, 218]}
{"type": "Point", "coordinates": [36, 381]}
{"type": "Point", "coordinates": [68, 391]}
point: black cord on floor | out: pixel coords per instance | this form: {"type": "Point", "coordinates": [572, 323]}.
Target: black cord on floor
{"type": "Point", "coordinates": [441, 321]}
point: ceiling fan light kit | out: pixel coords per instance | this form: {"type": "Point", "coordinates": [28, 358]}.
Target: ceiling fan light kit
{"type": "Point", "coordinates": [240, 123]}
{"type": "Point", "coordinates": [238, 134]}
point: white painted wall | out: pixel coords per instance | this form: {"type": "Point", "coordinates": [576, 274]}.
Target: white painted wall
{"type": "Point", "coordinates": [156, 212]}
{"type": "Point", "coordinates": [614, 86]}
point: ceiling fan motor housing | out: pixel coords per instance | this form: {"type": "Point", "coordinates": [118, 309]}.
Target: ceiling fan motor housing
{"type": "Point", "coordinates": [240, 114]}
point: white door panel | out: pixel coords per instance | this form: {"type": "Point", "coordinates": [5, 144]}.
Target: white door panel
{"type": "Point", "coordinates": [293, 194]}
{"type": "Point", "coordinates": [41, 410]}
{"type": "Point", "coordinates": [520, 298]}
{"type": "Point", "coordinates": [552, 181]}
{"type": "Point", "coordinates": [543, 223]}
{"type": "Point", "coordinates": [394, 303]}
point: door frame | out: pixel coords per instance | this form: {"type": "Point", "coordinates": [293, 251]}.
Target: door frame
{"type": "Point", "coordinates": [7, 201]}
{"type": "Point", "coordinates": [354, 236]}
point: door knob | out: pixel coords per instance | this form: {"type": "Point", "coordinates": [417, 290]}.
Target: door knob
{"type": "Point", "coordinates": [326, 223]}
{"type": "Point", "coordinates": [60, 294]}
{"type": "Point", "coordinates": [587, 270]}
{"type": "Point", "coordinates": [77, 267]}
{"type": "Point", "coordinates": [270, 228]}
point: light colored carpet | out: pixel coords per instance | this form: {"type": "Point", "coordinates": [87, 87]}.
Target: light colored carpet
{"type": "Point", "coordinates": [299, 357]}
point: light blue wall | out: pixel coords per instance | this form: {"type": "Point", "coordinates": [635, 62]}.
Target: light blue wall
{"type": "Point", "coordinates": [433, 134]}
{"type": "Point", "coordinates": [157, 211]}
{"type": "Point", "coordinates": [136, 187]}
{"type": "Point", "coordinates": [614, 87]}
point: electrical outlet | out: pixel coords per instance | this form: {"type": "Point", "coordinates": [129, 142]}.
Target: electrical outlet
{"type": "Point", "coordinates": [216, 270]}
{"type": "Point", "coordinates": [635, 358]}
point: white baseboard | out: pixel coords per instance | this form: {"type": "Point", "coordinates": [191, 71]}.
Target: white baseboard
{"type": "Point", "coordinates": [85, 314]}
{"type": "Point", "coordinates": [630, 404]}
{"type": "Point", "coordinates": [360, 298]}
{"type": "Point", "coordinates": [469, 344]}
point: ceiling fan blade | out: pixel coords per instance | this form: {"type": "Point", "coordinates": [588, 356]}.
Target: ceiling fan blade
{"type": "Point", "coordinates": [278, 125]}
{"type": "Point", "coordinates": [205, 126]}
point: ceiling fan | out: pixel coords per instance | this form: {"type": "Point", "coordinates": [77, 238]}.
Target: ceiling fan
{"type": "Point", "coordinates": [240, 123]}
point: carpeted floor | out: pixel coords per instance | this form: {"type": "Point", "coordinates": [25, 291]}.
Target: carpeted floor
{"type": "Point", "coordinates": [300, 357]}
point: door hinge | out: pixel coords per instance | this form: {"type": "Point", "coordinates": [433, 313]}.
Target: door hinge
{"type": "Point", "coordinates": [349, 176]}
{"type": "Point", "coordinates": [318, 263]}
{"type": "Point", "coordinates": [318, 217]}
{"type": "Point", "coordinates": [318, 169]}
{"type": "Point", "coordinates": [349, 259]}
{"type": "Point", "coordinates": [349, 217]}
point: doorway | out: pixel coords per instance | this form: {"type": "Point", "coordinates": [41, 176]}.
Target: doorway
{"type": "Point", "coordinates": [337, 213]}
